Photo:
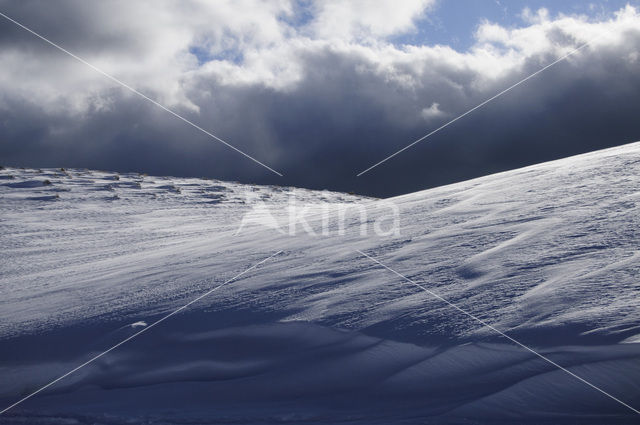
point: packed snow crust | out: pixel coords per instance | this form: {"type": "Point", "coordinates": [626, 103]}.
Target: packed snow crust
{"type": "Point", "coordinates": [320, 334]}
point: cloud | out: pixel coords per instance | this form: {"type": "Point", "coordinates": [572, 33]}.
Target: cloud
{"type": "Point", "coordinates": [365, 20]}
{"type": "Point", "coordinates": [318, 90]}
{"type": "Point", "coordinates": [432, 112]}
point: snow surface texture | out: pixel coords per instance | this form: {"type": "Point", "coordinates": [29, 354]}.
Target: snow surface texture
{"type": "Point", "coordinates": [320, 334]}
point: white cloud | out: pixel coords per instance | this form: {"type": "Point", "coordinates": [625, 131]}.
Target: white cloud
{"type": "Point", "coordinates": [432, 112]}
{"type": "Point", "coordinates": [153, 46]}
{"type": "Point", "coordinates": [365, 20]}
{"type": "Point", "coordinates": [535, 17]}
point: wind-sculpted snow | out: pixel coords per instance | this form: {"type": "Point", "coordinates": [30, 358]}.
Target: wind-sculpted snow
{"type": "Point", "coordinates": [547, 254]}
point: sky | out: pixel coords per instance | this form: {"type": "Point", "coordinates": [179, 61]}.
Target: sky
{"type": "Point", "coordinates": [317, 90]}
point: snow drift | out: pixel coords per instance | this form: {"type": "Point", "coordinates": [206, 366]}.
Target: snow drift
{"type": "Point", "coordinates": [547, 254]}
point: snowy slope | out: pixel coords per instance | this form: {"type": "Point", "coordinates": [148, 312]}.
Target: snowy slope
{"type": "Point", "coordinates": [548, 254]}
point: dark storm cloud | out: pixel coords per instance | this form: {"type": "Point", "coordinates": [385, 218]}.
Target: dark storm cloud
{"type": "Point", "coordinates": [340, 115]}
{"type": "Point", "coordinates": [82, 27]}
{"type": "Point", "coordinates": [337, 123]}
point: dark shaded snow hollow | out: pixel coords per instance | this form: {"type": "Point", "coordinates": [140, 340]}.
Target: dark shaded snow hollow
{"type": "Point", "coordinates": [548, 254]}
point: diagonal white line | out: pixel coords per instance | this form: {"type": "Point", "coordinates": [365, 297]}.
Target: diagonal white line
{"type": "Point", "coordinates": [574, 51]}
{"type": "Point", "coordinates": [157, 322]}
{"type": "Point", "coordinates": [548, 360]}
{"type": "Point", "coordinates": [128, 87]}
